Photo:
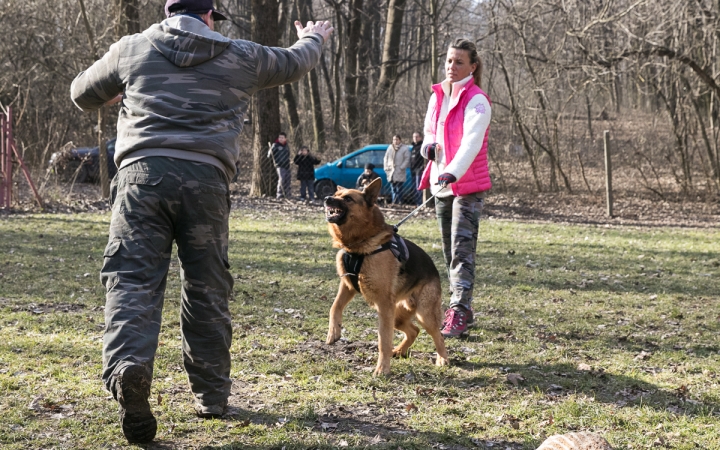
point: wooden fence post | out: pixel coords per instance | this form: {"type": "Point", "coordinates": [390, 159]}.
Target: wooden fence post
{"type": "Point", "coordinates": [608, 173]}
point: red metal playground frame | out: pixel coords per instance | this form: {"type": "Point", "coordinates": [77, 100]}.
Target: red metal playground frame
{"type": "Point", "coordinates": [7, 149]}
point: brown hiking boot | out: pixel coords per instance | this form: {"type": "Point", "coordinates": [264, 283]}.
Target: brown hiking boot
{"type": "Point", "coordinates": [133, 389]}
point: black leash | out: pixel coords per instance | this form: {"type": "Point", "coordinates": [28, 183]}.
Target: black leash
{"type": "Point", "coordinates": [395, 227]}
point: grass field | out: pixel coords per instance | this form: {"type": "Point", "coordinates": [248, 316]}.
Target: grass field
{"type": "Point", "coordinates": [612, 330]}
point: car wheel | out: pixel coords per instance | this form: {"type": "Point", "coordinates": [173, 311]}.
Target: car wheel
{"type": "Point", "coordinates": [324, 188]}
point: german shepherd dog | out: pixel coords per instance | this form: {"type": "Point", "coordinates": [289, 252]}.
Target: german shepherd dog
{"type": "Point", "coordinates": [397, 292]}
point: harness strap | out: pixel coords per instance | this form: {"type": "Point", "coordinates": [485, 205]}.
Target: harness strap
{"type": "Point", "coordinates": [352, 262]}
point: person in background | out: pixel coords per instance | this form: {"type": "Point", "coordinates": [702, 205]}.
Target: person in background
{"type": "Point", "coordinates": [366, 177]}
{"type": "Point", "coordinates": [457, 125]}
{"type": "Point", "coordinates": [397, 160]}
{"type": "Point", "coordinates": [417, 165]}
{"type": "Point", "coordinates": [280, 154]}
{"type": "Point", "coordinates": [306, 163]}
{"type": "Point", "coordinates": [184, 90]}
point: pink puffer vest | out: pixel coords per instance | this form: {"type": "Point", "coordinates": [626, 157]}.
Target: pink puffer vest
{"type": "Point", "coordinates": [477, 177]}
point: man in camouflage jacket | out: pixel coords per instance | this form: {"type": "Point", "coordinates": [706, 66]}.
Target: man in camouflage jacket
{"type": "Point", "coordinates": [184, 90]}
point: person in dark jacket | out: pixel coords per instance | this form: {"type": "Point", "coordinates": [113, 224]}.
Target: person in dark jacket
{"type": "Point", "coordinates": [306, 163]}
{"type": "Point", "coordinates": [366, 177]}
{"type": "Point", "coordinates": [417, 165]}
{"type": "Point", "coordinates": [183, 91]}
{"type": "Point", "coordinates": [280, 154]}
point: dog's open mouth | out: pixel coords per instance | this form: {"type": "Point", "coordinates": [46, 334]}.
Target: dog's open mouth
{"type": "Point", "coordinates": [333, 214]}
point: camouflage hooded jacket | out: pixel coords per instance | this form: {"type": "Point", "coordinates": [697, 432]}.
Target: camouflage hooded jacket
{"type": "Point", "coordinates": [186, 89]}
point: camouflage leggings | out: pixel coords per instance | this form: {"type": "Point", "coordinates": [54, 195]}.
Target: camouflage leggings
{"type": "Point", "coordinates": [459, 218]}
{"type": "Point", "coordinates": [155, 201]}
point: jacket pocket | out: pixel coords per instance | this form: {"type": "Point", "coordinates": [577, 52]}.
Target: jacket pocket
{"type": "Point", "coordinates": [143, 178]}
{"type": "Point", "coordinates": [139, 188]}
{"type": "Point", "coordinates": [111, 279]}
{"type": "Point", "coordinates": [113, 190]}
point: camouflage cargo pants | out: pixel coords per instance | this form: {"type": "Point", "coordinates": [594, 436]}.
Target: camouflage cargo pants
{"type": "Point", "coordinates": [459, 218]}
{"type": "Point", "coordinates": [155, 201]}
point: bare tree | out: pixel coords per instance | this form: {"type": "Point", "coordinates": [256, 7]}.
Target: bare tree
{"type": "Point", "coordinates": [266, 103]}
{"type": "Point", "coordinates": [388, 69]}
{"type": "Point", "coordinates": [305, 13]}
{"type": "Point", "coordinates": [352, 46]}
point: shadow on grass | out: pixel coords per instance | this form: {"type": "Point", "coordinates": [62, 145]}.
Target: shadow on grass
{"type": "Point", "coordinates": [555, 381]}
{"type": "Point", "coordinates": [342, 425]}
{"type": "Point", "coordinates": [558, 381]}
{"type": "Point", "coordinates": [630, 340]}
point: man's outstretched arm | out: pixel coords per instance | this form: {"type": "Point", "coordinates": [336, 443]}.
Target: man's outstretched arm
{"type": "Point", "coordinates": [286, 65]}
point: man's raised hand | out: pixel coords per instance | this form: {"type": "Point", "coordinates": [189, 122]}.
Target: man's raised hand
{"type": "Point", "coordinates": [324, 29]}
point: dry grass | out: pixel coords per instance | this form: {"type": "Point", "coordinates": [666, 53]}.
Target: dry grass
{"type": "Point", "coordinates": [612, 330]}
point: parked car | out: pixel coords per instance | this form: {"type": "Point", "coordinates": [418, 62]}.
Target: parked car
{"type": "Point", "coordinates": [346, 170]}
{"type": "Point", "coordinates": [85, 161]}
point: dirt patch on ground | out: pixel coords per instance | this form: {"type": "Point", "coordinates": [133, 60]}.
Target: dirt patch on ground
{"type": "Point", "coordinates": [16, 305]}
{"type": "Point", "coordinates": [374, 423]}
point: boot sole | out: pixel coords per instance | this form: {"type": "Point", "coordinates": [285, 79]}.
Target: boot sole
{"type": "Point", "coordinates": [137, 420]}
{"type": "Point", "coordinates": [463, 334]}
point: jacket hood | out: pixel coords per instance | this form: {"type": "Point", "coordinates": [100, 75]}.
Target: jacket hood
{"type": "Point", "coordinates": [186, 41]}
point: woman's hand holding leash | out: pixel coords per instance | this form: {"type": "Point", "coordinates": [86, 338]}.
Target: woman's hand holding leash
{"type": "Point", "coordinates": [445, 179]}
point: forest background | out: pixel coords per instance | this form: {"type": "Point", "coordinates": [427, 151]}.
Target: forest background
{"type": "Point", "coordinates": [559, 73]}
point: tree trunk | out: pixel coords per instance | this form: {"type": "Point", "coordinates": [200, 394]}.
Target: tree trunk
{"type": "Point", "coordinates": [351, 72]}
{"type": "Point", "coordinates": [317, 113]}
{"type": "Point", "coordinates": [329, 84]}
{"type": "Point", "coordinates": [388, 70]}
{"type": "Point", "coordinates": [433, 42]}
{"type": "Point", "coordinates": [102, 151]}
{"type": "Point", "coordinates": [337, 57]}
{"type": "Point", "coordinates": [266, 103]}
{"type": "Point", "coordinates": [128, 20]}
{"type": "Point", "coordinates": [306, 14]}
{"type": "Point", "coordinates": [514, 107]}
{"type": "Point", "coordinates": [291, 107]}
{"type": "Point", "coordinates": [365, 66]}
{"type": "Point", "coordinates": [552, 148]}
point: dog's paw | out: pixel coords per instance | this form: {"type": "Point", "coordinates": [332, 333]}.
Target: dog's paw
{"type": "Point", "coordinates": [440, 361]}
{"type": "Point", "coordinates": [381, 371]}
{"type": "Point", "coordinates": [334, 335]}
{"type": "Point", "coordinates": [401, 353]}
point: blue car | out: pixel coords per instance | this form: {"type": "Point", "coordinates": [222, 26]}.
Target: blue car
{"type": "Point", "coordinates": [346, 170]}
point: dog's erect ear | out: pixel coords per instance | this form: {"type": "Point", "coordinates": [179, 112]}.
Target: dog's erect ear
{"type": "Point", "coordinates": [339, 189]}
{"type": "Point", "coordinates": [372, 191]}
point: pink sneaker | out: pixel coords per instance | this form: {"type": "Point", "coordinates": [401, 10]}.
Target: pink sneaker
{"type": "Point", "coordinates": [455, 323]}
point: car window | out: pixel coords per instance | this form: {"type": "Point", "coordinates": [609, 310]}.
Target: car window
{"type": "Point", "coordinates": [375, 157]}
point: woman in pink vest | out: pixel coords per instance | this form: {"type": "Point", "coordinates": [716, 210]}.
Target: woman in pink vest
{"type": "Point", "coordinates": [456, 132]}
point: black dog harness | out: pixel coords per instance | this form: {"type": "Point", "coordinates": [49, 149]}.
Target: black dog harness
{"type": "Point", "coordinates": [352, 262]}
